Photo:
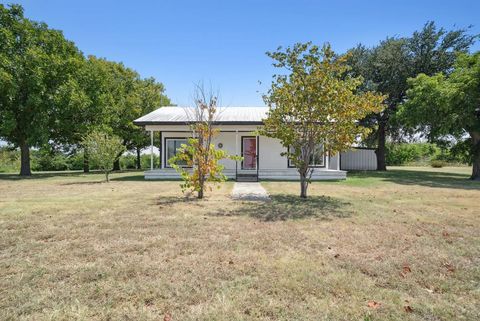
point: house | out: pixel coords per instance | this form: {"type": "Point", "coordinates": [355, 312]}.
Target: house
{"type": "Point", "coordinates": [262, 157]}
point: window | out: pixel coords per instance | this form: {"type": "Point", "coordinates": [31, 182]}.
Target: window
{"type": "Point", "coordinates": [316, 160]}
{"type": "Point", "coordinates": [171, 146]}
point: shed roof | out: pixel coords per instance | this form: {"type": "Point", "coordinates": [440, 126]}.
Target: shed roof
{"type": "Point", "coordinates": [173, 115]}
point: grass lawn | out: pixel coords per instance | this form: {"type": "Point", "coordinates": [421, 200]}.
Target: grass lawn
{"type": "Point", "coordinates": [401, 245]}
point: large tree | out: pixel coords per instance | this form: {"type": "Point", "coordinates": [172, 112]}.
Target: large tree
{"type": "Point", "coordinates": [37, 64]}
{"type": "Point", "coordinates": [443, 105]}
{"type": "Point", "coordinates": [131, 97]}
{"type": "Point", "coordinates": [87, 105]}
{"type": "Point", "coordinates": [314, 107]}
{"type": "Point", "coordinates": [387, 67]}
{"type": "Point", "coordinates": [108, 96]}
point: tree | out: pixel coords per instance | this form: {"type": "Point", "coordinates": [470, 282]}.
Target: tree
{"type": "Point", "coordinates": [37, 64]}
{"type": "Point", "coordinates": [87, 105]}
{"type": "Point", "coordinates": [108, 96]}
{"type": "Point", "coordinates": [200, 153]}
{"type": "Point", "coordinates": [386, 68]}
{"type": "Point", "coordinates": [131, 97]}
{"type": "Point", "coordinates": [103, 149]}
{"type": "Point", "coordinates": [315, 104]}
{"type": "Point", "coordinates": [442, 105]}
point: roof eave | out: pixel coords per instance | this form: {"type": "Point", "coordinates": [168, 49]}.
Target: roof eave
{"type": "Point", "coordinates": [151, 122]}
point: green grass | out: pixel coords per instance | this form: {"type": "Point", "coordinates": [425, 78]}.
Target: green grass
{"type": "Point", "coordinates": [75, 248]}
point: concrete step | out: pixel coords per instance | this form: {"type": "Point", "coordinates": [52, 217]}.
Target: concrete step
{"type": "Point", "coordinates": [247, 178]}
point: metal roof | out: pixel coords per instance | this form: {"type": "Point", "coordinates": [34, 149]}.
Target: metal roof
{"type": "Point", "coordinates": [173, 115]}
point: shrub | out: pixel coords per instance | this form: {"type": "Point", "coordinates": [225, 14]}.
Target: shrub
{"type": "Point", "coordinates": [9, 160]}
{"type": "Point", "coordinates": [45, 160]}
{"type": "Point", "coordinates": [145, 161]}
{"type": "Point", "coordinates": [128, 161]}
{"type": "Point", "coordinates": [437, 163]}
{"type": "Point", "coordinates": [403, 154]}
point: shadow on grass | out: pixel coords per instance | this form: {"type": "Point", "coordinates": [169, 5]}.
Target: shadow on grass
{"type": "Point", "coordinates": [422, 178]}
{"type": "Point", "coordinates": [289, 207]}
{"type": "Point", "coordinates": [136, 175]}
{"type": "Point", "coordinates": [167, 202]}
{"type": "Point", "coordinates": [43, 175]}
{"type": "Point", "coordinates": [130, 178]}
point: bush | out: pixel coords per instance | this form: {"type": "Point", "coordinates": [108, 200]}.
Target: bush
{"type": "Point", "coordinates": [403, 154]}
{"type": "Point", "coordinates": [437, 163]}
{"type": "Point", "coordinates": [43, 160]}
{"type": "Point", "coordinates": [9, 160]}
{"type": "Point", "coordinates": [128, 161]}
{"type": "Point", "coordinates": [145, 161]}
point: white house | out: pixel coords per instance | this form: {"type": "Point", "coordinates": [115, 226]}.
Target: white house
{"type": "Point", "coordinates": [262, 157]}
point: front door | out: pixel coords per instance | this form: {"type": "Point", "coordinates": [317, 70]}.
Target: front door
{"type": "Point", "coordinates": [249, 152]}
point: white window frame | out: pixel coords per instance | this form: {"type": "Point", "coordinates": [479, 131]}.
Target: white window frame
{"type": "Point", "coordinates": [167, 157]}
{"type": "Point", "coordinates": [315, 164]}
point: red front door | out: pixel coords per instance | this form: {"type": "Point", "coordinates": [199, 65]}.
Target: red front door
{"type": "Point", "coordinates": [249, 145]}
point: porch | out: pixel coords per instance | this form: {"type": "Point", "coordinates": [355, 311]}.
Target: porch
{"type": "Point", "coordinates": [262, 159]}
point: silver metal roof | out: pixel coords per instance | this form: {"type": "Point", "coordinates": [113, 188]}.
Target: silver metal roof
{"type": "Point", "coordinates": [183, 115]}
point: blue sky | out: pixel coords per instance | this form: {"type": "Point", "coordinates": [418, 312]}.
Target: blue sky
{"type": "Point", "coordinates": [223, 43]}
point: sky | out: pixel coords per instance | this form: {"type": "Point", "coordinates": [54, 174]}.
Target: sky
{"type": "Point", "coordinates": [223, 43]}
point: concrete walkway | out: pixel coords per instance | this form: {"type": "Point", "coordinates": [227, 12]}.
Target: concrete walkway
{"type": "Point", "coordinates": [249, 191]}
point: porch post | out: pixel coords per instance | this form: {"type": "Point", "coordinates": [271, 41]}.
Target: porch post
{"type": "Point", "coordinates": [151, 150]}
{"type": "Point", "coordinates": [161, 151]}
{"type": "Point", "coordinates": [327, 160]}
{"type": "Point", "coordinates": [338, 161]}
{"type": "Point", "coordinates": [236, 153]}
{"type": "Point", "coordinates": [257, 139]}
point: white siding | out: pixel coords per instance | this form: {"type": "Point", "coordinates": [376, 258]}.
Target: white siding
{"type": "Point", "coordinates": [359, 159]}
{"type": "Point", "coordinates": [271, 164]}
{"type": "Point", "coordinates": [332, 162]}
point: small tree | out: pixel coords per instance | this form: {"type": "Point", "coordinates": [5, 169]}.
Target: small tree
{"type": "Point", "coordinates": [103, 149]}
{"type": "Point", "coordinates": [199, 153]}
{"type": "Point", "coordinates": [314, 104]}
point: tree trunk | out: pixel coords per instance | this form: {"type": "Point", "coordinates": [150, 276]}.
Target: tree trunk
{"type": "Point", "coordinates": [303, 186]}
{"type": "Point", "coordinates": [86, 164]}
{"type": "Point", "coordinates": [201, 184]}
{"type": "Point", "coordinates": [116, 165]}
{"type": "Point", "coordinates": [106, 176]}
{"type": "Point", "coordinates": [380, 151]}
{"type": "Point", "coordinates": [139, 160]}
{"type": "Point", "coordinates": [476, 156]}
{"type": "Point", "coordinates": [25, 160]}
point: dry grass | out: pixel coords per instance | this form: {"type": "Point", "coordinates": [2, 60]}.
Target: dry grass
{"type": "Point", "coordinates": [75, 249]}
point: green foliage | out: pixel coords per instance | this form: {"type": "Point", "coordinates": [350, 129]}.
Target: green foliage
{"type": "Point", "coordinates": [50, 93]}
{"type": "Point", "coordinates": [386, 68]}
{"type": "Point", "coordinates": [448, 105]}
{"type": "Point", "coordinates": [405, 154]}
{"type": "Point", "coordinates": [37, 65]}
{"type": "Point", "coordinates": [44, 160]}
{"type": "Point", "coordinates": [315, 103]}
{"type": "Point", "coordinates": [196, 170]}
{"type": "Point", "coordinates": [129, 161]}
{"type": "Point", "coordinates": [103, 149]}
{"type": "Point", "coordinates": [9, 159]}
